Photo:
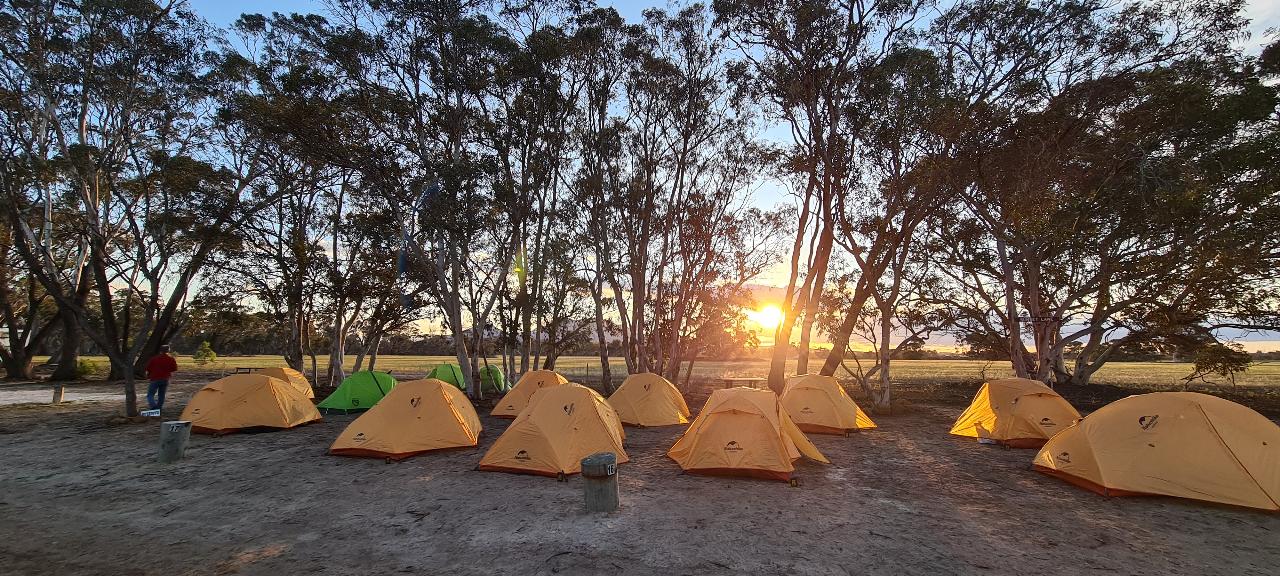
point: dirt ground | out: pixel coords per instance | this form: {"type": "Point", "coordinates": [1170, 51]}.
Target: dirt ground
{"type": "Point", "coordinates": [80, 496]}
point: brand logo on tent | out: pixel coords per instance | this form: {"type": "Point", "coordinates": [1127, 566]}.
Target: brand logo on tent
{"type": "Point", "coordinates": [196, 411]}
{"type": "Point", "coordinates": [522, 455]}
{"type": "Point", "coordinates": [415, 401]}
{"type": "Point", "coordinates": [646, 386]}
{"type": "Point", "coordinates": [355, 401]}
{"type": "Point", "coordinates": [1064, 457]}
{"type": "Point", "coordinates": [732, 446]}
{"type": "Point", "coordinates": [1047, 422]}
{"type": "Point", "coordinates": [1148, 422]}
{"type": "Point", "coordinates": [360, 437]}
{"type": "Point", "coordinates": [806, 410]}
{"type": "Point", "coordinates": [568, 409]}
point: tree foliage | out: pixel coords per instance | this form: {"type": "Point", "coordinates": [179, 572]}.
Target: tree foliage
{"type": "Point", "coordinates": [1059, 183]}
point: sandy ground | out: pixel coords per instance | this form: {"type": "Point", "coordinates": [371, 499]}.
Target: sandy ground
{"type": "Point", "coordinates": [44, 395]}
{"type": "Point", "coordinates": [81, 496]}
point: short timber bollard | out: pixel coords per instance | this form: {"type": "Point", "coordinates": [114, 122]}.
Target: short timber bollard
{"type": "Point", "coordinates": [57, 393]}
{"type": "Point", "coordinates": [600, 482]}
{"type": "Point", "coordinates": [173, 440]}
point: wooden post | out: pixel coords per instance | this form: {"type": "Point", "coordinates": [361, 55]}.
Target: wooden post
{"type": "Point", "coordinates": [173, 440]}
{"type": "Point", "coordinates": [57, 393]}
{"type": "Point", "coordinates": [600, 482]}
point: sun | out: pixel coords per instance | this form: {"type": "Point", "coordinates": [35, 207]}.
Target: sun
{"type": "Point", "coordinates": [767, 317]}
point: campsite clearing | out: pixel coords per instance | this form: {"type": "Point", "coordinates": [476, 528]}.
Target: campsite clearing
{"type": "Point", "coordinates": [81, 496]}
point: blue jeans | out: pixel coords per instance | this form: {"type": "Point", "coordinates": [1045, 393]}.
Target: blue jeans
{"type": "Point", "coordinates": [155, 393]}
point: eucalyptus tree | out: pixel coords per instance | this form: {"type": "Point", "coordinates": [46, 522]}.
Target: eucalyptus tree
{"type": "Point", "coordinates": [529, 115]}
{"type": "Point", "coordinates": [35, 67]}
{"type": "Point", "coordinates": [601, 40]}
{"type": "Point", "coordinates": [283, 84]}
{"type": "Point", "coordinates": [806, 60]}
{"type": "Point", "coordinates": [903, 114]}
{"type": "Point", "coordinates": [425, 73]}
{"type": "Point", "coordinates": [683, 230]}
{"type": "Point", "coordinates": [123, 91]}
{"type": "Point", "coordinates": [281, 261]}
{"type": "Point", "coordinates": [320, 258]}
{"type": "Point", "coordinates": [1106, 195]}
{"type": "Point", "coordinates": [27, 176]}
{"type": "Point", "coordinates": [903, 313]}
{"type": "Point", "coordinates": [29, 314]}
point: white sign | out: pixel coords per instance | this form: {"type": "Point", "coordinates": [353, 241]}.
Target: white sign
{"type": "Point", "coordinates": [149, 413]}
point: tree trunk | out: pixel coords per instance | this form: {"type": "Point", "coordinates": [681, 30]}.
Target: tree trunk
{"type": "Point", "coordinates": [1013, 324]}
{"type": "Point", "coordinates": [677, 324]}
{"type": "Point", "coordinates": [473, 369]}
{"type": "Point", "coordinates": [840, 338]}
{"type": "Point", "coordinates": [782, 334]}
{"type": "Point", "coordinates": [122, 365]}
{"type": "Point", "coordinates": [638, 296]}
{"type": "Point", "coordinates": [479, 352]}
{"type": "Point", "coordinates": [883, 399]}
{"type": "Point", "coordinates": [525, 312]}
{"type": "Point", "coordinates": [460, 340]}
{"type": "Point", "coordinates": [18, 365]}
{"type": "Point", "coordinates": [130, 390]}
{"type": "Point", "coordinates": [624, 325]}
{"type": "Point", "coordinates": [69, 351]}
{"type": "Point", "coordinates": [822, 258]}
{"type": "Point", "coordinates": [1044, 330]}
{"type": "Point", "coordinates": [337, 349]}
{"type": "Point", "coordinates": [293, 352]}
{"type": "Point", "coordinates": [358, 365]}
{"type": "Point", "coordinates": [606, 376]}
{"type": "Point", "coordinates": [373, 350]}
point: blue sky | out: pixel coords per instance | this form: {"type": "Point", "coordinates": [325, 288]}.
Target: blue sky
{"type": "Point", "coordinates": [1265, 14]}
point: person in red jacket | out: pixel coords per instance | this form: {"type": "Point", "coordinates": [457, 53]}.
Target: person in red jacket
{"type": "Point", "coordinates": [159, 369]}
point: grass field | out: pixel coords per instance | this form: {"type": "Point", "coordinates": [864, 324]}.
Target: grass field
{"type": "Point", "coordinates": [1147, 374]}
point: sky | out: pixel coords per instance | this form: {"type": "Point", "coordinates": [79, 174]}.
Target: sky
{"type": "Point", "coordinates": [1264, 15]}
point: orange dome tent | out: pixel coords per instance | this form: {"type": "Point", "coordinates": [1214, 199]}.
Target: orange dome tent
{"type": "Point", "coordinates": [820, 405]}
{"type": "Point", "coordinates": [560, 426]}
{"type": "Point", "coordinates": [515, 400]}
{"type": "Point", "coordinates": [743, 432]}
{"type": "Point", "coordinates": [647, 399]}
{"type": "Point", "coordinates": [1016, 412]}
{"type": "Point", "coordinates": [1179, 444]}
{"type": "Point", "coordinates": [414, 417]}
{"type": "Point", "coordinates": [243, 401]}
{"type": "Point", "coordinates": [291, 376]}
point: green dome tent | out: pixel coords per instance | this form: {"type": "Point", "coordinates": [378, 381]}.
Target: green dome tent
{"type": "Point", "coordinates": [491, 378]}
{"type": "Point", "coordinates": [450, 373]}
{"type": "Point", "coordinates": [359, 391]}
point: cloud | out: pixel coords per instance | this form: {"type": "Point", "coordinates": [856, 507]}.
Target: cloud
{"type": "Point", "coordinates": [1263, 15]}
